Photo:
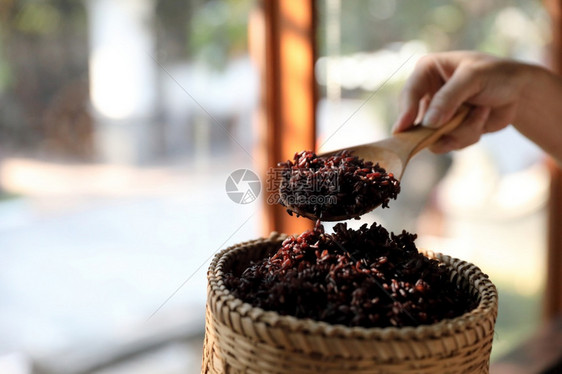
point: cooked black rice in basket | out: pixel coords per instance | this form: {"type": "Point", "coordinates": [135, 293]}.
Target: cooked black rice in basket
{"type": "Point", "coordinates": [364, 277]}
{"type": "Point", "coordinates": [335, 187]}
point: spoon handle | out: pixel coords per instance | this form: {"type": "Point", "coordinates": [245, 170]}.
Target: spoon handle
{"type": "Point", "coordinates": [421, 137]}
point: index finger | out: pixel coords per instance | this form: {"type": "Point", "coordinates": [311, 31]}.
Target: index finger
{"type": "Point", "coordinates": [424, 82]}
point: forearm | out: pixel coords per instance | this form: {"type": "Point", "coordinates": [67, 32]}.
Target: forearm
{"type": "Point", "coordinates": [539, 113]}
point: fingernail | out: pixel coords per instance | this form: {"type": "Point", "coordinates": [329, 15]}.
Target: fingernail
{"type": "Point", "coordinates": [432, 118]}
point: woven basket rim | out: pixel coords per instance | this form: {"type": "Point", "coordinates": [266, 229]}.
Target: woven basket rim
{"type": "Point", "coordinates": [486, 307]}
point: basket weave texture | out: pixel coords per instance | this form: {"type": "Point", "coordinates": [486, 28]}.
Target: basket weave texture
{"type": "Point", "coordinates": [242, 339]}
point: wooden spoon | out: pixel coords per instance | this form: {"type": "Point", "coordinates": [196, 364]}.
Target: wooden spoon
{"type": "Point", "coordinates": [394, 153]}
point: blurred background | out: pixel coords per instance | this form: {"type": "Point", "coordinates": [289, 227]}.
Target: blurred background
{"type": "Point", "coordinates": [121, 121]}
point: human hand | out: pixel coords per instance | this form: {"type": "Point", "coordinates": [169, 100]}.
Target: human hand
{"type": "Point", "coordinates": [442, 82]}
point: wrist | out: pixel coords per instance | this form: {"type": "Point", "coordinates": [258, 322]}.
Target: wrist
{"type": "Point", "coordinates": [539, 110]}
{"type": "Point", "coordinates": [532, 88]}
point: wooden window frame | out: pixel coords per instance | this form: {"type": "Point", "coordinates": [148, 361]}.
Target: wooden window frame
{"type": "Point", "coordinates": [289, 96]}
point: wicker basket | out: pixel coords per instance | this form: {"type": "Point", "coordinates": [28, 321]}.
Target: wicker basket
{"type": "Point", "coordinates": [242, 339]}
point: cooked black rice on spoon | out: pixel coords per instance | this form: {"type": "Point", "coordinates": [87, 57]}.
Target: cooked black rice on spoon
{"type": "Point", "coordinates": [334, 188]}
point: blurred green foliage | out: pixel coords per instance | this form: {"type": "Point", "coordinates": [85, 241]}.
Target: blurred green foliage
{"type": "Point", "coordinates": [39, 18]}
{"type": "Point", "coordinates": [43, 48]}
{"type": "Point", "coordinates": [206, 31]}
{"type": "Point", "coordinates": [5, 70]}
{"type": "Point", "coordinates": [26, 23]}
{"type": "Point", "coordinates": [219, 30]}
{"type": "Point", "coordinates": [368, 25]}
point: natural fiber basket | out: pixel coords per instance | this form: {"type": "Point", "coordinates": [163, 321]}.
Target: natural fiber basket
{"type": "Point", "coordinates": [242, 339]}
